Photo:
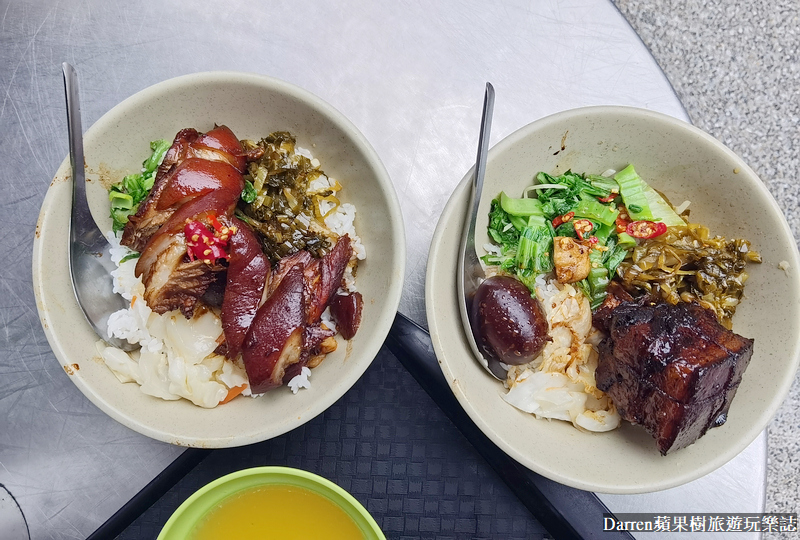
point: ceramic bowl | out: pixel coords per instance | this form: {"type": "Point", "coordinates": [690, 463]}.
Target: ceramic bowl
{"type": "Point", "coordinates": [252, 106]}
{"type": "Point", "coordinates": [194, 509]}
{"type": "Point", "coordinates": [684, 163]}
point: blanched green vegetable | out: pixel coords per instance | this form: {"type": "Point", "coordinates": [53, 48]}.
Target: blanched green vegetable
{"type": "Point", "coordinates": [676, 261]}
{"type": "Point", "coordinates": [632, 190]}
{"type": "Point", "coordinates": [591, 208]}
{"type": "Point", "coordinates": [534, 251]}
{"type": "Point", "coordinates": [643, 202]}
{"type": "Point", "coordinates": [520, 207]}
{"type": "Point", "coordinates": [585, 207]}
{"type": "Point", "coordinates": [126, 195]}
{"type": "Point", "coordinates": [501, 229]}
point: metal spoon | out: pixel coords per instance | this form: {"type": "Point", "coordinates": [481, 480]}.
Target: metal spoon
{"type": "Point", "coordinates": [470, 271]}
{"type": "Point", "coordinates": [90, 262]}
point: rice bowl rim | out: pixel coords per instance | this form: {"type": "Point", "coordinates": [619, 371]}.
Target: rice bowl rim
{"type": "Point", "coordinates": [60, 315]}
{"type": "Point", "coordinates": [477, 392]}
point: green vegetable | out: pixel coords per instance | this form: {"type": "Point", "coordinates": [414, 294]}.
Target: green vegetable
{"type": "Point", "coordinates": [643, 202]}
{"type": "Point", "coordinates": [596, 282]}
{"type": "Point", "coordinates": [614, 258]}
{"type": "Point", "coordinates": [249, 193]}
{"type": "Point", "coordinates": [626, 240]}
{"type": "Point", "coordinates": [565, 229]}
{"type": "Point", "coordinates": [591, 208]}
{"type": "Point", "coordinates": [604, 232]}
{"type": "Point", "coordinates": [159, 149]}
{"type": "Point", "coordinates": [528, 278]}
{"type": "Point", "coordinates": [525, 244]}
{"type": "Point", "coordinates": [605, 183]}
{"type": "Point", "coordinates": [535, 249]}
{"type": "Point", "coordinates": [524, 230]}
{"type": "Point", "coordinates": [518, 222]}
{"type": "Point", "coordinates": [536, 221]}
{"type": "Point", "coordinates": [571, 192]}
{"type": "Point", "coordinates": [126, 195]}
{"type": "Point", "coordinates": [501, 229]}
{"type": "Point", "coordinates": [121, 201]}
{"type": "Point", "coordinates": [631, 187]}
{"type": "Point", "coordinates": [520, 207]}
{"type": "Point", "coordinates": [604, 267]}
{"type": "Point", "coordinates": [661, 210]}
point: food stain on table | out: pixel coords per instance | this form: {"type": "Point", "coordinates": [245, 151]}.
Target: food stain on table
{"type": "Point", "coordinates": [279, 512]}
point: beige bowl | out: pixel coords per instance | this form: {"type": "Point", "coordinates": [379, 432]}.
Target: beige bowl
{"type": "Point", "coordinates": [252, 106]}
{"type": "Point", "coordinates": [726, 195]}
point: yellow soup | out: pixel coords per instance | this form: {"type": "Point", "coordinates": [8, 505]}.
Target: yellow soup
{"type": "Point", "coordinates": [277, 512]}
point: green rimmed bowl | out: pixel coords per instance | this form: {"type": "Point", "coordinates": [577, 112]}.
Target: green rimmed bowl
{"type": "Point", "coordinates": [181, 524]}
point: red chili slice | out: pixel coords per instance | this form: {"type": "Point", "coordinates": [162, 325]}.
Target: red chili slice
{"type": "Point", "coordinates": [202, 244]}
{"type": "Point", "coordinates": [212, 219]}
{"type": "Point", "coordinates": [558, 220]}
{"type": "Point", "coordinates": [622, 222]}
{"type": "Point", "coordinates": [608, 199]}
{"type": "Point", "coordinates": [583, 227]}
{"type": "Point", "coordinates": [646, 229]}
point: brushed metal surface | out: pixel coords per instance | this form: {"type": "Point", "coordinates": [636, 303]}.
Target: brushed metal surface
{"type": "Point", "coordinates": [408, 74]}
{"type": "Point", "coordinates": [12, 522]}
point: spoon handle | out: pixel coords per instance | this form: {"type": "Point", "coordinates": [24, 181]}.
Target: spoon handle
{"type": "Point", "coordinates": [480, 161]}
{"type": "Point", "coordinates": [80, 207]}
{"type": "Point", "coordinates": [471, 268]}
{"type": "Point", "coordinates": [472, 271]}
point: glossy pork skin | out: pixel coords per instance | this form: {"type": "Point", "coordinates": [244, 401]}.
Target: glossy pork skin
{"type": "Point", "coordinates": [163, 261]}
{"type": "Point", "coordinates": [200, 176]}
{"type": "Point", "coordinates": [271, 316]}
{"type": "Point", "coordinates": [672, 369]}
{"type": "Point", "coordinates": [195, 177]}
{"type": "Point", "coordinates": [325, 277]}
{"type": "Point", "coordinates": [275, 339]}
{"type": "Point", "coordinates": [182, 167]}
{"type": "Point", "coordinates": [346, 311]}
{"type": "Point", "coordinates": [248, 271]}
{"type": "Point", "coordinates": [286, 331]}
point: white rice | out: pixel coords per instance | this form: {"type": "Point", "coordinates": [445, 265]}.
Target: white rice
{"type": "Point", "coordinates": [493, 249]}
{"type": "Point", "coordinates": [327, 319]}
{"type": "Point", "coordinates": [177, 358]}
{"type": "Point", "coordinates": [341, 222]}
{"type": "Point", "coordinates": [559, 384]}
{"type": "Point", "coordinates": [305, 152]}
{"type": "Point", "coordinates": [300, 381]}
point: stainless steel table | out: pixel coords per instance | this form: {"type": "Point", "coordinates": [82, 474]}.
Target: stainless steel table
{"type": "Point", "coordinates": [409, 75]}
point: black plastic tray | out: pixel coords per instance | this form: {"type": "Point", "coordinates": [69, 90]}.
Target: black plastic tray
{"type": "Point", "coordinates": [413, 458]}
